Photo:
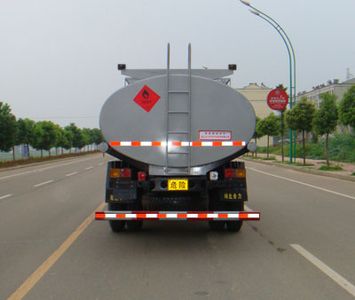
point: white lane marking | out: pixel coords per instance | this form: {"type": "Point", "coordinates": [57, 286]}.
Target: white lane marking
{"type": "Point", "coordinates": [71, 174]}
{"type": "Point", "coordinates": [345, 284]}
{"type": "Point", "coordinates": [5, 196]}
{"type": "Point", "coordinates": [100, 164]}
{"type": "Point", "coordinates": [46, 168]}
{"type": "Point", "coordinates": [89, 168]}
{"type": "Point", "coordinates": [43, 183]}
{"type": "Point", "coordinates": [303, 183]}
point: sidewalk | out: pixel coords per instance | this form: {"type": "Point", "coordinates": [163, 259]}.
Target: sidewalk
{"type": "Point", "coordinates": [312, 166]}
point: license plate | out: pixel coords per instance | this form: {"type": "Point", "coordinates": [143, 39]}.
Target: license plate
{"type": "Point", "coordinates": [178, 184]}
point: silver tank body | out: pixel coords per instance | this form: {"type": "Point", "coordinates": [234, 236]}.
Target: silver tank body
{"type": "Point", "coordinates": [213, 106]}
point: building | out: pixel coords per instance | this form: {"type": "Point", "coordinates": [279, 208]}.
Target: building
{"type": "Point", "coordinates": [257, 95]}
{"type": "Point", "coordinates": [334, 87]}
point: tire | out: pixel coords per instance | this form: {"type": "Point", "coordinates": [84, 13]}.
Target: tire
{"type": "Point", "coordinates": [217, 225]}
{"type": "Point", "coordinates": [116, 226]}
{"type": "Point", "coordinates": [235, 226]}
{"type": "Point", "coordinates": [134, 225]}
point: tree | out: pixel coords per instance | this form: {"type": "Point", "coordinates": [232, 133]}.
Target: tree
{"type": "Point", "coordinates": [347, 108]}
{"type": "Point", "coordinates": [269, 126]}
{"type": "Point", "coordinates": [24, 132]}
{"type": "Point", "coordinates": [97, 136]}
{"type": "Point", "coordinates": [325, 119]}
{"type": "Point", "coordinates": [67, 139]}
{"type": "Point", "coordinates": [45, 135]}
{"type": "Point", "coordinates": [87, 137]}
{"type": "Point", "coordinates": [78, 139]}
{"type": "Point", "coordinates": [60, 139]}
{"type": "Point", "coordinates": [300, 118]}
{"type": "Point", "coordinates": [257, 134]}
{"type": "Point", "coordinates": [8, 129]}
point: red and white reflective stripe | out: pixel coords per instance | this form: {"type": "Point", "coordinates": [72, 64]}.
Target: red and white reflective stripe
{"type": "Point", "coordinates": [177, 144]}
{"type": "Point", "coordinates": [179, 215]}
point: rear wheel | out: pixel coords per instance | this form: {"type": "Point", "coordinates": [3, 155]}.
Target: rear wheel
{"type": "Point", "coordinates": [215, 205]}
{"type": "Point", "coordinates": [134, 225]}
{"type": "Point", "coordinates": [216, 225]}
{"type": "Point", "coordinates": [116, 225]}
{"type": "Point", "coordinates": [235, 226]}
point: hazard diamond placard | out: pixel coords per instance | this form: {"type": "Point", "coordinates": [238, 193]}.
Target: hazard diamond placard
{"type": "Point", "coordinates": [146, 98]}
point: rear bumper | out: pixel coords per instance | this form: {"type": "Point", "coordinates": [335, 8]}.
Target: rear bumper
{"type": "Point", "coordinates": [179, 215]}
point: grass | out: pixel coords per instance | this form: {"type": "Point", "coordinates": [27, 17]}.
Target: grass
{"type": "Point", "coordinates": [353, 174]}
{"type": "Point", "coordinates": [331, 168]}
{"type": "Point", "coordinates": [341, 148]}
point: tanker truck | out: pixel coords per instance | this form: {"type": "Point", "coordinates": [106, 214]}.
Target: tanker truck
{"type": "Point", "coordinates": [175, 135]}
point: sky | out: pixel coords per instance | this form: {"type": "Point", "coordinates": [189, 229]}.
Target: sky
{"type": "Point", "coordinates": [58, 59]}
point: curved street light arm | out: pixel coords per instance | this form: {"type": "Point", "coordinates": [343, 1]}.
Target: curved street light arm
{"type": "Point", "coordinates": [278, 27]}
{"type": "Point", "coordinates": [288, 51]}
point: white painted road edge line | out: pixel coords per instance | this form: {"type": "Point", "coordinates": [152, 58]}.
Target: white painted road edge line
{"type": "Point", "coordinates": [345, 284]}
{"type": "Point", "coordinates": [5, 196]}
{"type": "Point", "coordinates": [43, 183]}
{"type": "Point", "coordinates": [89, 168]}
{"type": "Point", "coordinates": [71, 174]}
{"type": "Point", "coordinates": [303, 183]}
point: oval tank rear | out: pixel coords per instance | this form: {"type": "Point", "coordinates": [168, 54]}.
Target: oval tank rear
{"type": "Point", "coordinates": [204, 111]}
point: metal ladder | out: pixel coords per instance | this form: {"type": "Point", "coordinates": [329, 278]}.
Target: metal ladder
{"type": "Point", "coordinates": [175, 133]}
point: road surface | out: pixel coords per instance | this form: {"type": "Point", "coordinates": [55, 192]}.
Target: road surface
{"type": "Point", "coordinates": [50, 247]}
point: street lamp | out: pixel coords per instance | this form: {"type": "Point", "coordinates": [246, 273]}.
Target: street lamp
{"type": "Point", "coordinates": [292, 63]}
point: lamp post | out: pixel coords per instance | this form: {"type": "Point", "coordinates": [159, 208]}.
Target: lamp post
{"type": "Point", "coordinates": [292, 65]}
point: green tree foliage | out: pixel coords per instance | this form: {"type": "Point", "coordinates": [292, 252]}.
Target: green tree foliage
{"type": "Point", "coordinates": [24, 131]}
{"type": "Point", "coordinates": [326, 118]}
{"type": "Point", "coordinates": [97, 136]}
{"type": "Point", "coordinates": [67, 139]}
{"type": "Point", "coordinates": [257, 134]}
{"type": "Point", "coordinates": [78, 138]}
{"type": "Point", "coordinates": [300, 118]}
{"type": "Point", "coordinates": [8, 128]}
{"type": "Point", "coordinates": [87, 136]}
{"type": "Point", "coordinates": [347, 108]}
{"type": "Point", "coordinates": [45, 136]}
{"type": "Point", "coordinates": [270, 126]}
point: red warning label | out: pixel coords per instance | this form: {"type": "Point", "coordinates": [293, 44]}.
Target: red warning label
{"type": "Point", "coordinates": [146, 98]}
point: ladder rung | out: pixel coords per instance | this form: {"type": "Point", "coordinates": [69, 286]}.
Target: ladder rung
{"type": "Point", "coordinates": [178, 112]}
{"type": "Point", "coordinates": [178, 92]}
{"type": "Point", "coordinates": [178, 132]}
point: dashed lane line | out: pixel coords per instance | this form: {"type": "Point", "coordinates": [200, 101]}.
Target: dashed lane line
{"type": "Point", "coordinates": [340, 280]}
{"type": "Point", "coordinates": [46, 168]}
{"type": "Point", "coordinates": [71, 174]}
{"type": "Point", "coordinates": [43, 183]}
{"type": "Point", "coordinates": [5, 196]}
{"type": "Point", "coordinates": [89, 168]}
{"type": "Point", "coordinates": [302, 183]}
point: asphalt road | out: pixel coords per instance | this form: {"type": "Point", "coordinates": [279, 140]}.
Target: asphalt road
{"type": "Point", "coordinates": [303, 247]}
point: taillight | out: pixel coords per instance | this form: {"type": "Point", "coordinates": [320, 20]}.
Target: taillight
{"type": "Point", "coordinates": [142, 176]}
{"type": "Point", "coordinates": [234, 173]}
{"type": "Point", "coordinates": [121, 173]}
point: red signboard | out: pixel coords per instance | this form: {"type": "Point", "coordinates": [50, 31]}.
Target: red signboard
{"type": "Point", "coordinates": [146, 98]}
{"type": "Point", "coordinates": [277, 99]}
